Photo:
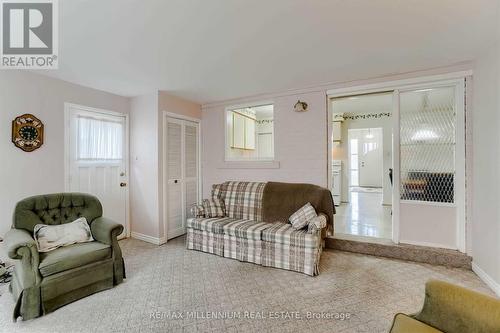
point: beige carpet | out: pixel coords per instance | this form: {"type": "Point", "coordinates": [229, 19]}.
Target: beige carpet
{"type": "Point", "coordinates": [172, 281]}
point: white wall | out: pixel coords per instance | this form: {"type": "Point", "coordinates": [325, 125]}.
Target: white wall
{"type": "Point", "coordinates": [144, 159]}
{"type": "Point", "coordinates": [299, 142]}
{"type": "Point", "coordinates": [486, 167]}
{"type": "Point", "coordinates": [146, 146]}
{"type": "Point", "coordinates": [41, 171]}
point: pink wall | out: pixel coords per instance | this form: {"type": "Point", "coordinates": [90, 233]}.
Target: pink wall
{"type": "Point", "coordinates": [146, 149]}
{"type": "Point", "coordinates": [41, 171]}
{"type": "Point", "coordinates": [299, 142]}
{"type": "Point", "coordinates": [300, 138]}
{"type": "Point", "coordinates": [144, 205]}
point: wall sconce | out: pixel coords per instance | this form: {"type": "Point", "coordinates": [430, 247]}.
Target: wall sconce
{"type": "Point", "coordinates": [300, 106]}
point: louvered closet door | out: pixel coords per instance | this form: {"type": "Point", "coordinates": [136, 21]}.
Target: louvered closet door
{"type": "Point", "coordinates": [182, 173]}
{"type": "Point", "coordinates": [175, 225]}
{"type": "Point", "coordinates": [191, 165]}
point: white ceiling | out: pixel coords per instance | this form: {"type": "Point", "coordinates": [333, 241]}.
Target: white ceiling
{"type": "Point", "coordinates": [220, 49]}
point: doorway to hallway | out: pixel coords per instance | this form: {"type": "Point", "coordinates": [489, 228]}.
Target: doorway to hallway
{"type": "Point", "coordinates": [362, 155]}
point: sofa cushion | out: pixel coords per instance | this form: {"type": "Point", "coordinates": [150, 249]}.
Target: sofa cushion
{"type": "Point", "coordinates": [404, 324]}
{"type": "Point", "coordinates": [243, 200]}
{"type": "Point", "coordinates": [72, 256]}
{"type": "Point", "coordinates": [214, 225]}
{"type": "Point", "coordinates": [247, 229]}
{"type": "Point", "coordinates": [219, 191]}
{"type": "Point", "coordinates": [284, 233]}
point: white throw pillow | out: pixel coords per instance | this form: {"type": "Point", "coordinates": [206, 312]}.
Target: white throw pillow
{"type": "Point", "coordinates": [302, 216]}
{"type": "Point", "coordinates": [50, 237]}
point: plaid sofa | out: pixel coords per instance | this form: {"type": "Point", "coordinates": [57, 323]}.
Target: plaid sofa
{"type": "Point", "coordinates": [243, 235]}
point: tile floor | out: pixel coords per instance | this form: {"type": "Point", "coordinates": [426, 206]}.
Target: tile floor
{"type": "Point", "coordinates": [364, 216]}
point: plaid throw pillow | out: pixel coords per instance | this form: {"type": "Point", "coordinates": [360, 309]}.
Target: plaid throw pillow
{"type": "Point", "coordinates": [302, 216]}
{"type": "Point", "coordinates": [213, 207]}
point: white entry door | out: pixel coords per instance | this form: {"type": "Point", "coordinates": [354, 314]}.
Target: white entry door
{"type": "Point", "coordinates": [370, 157]}
{"type": "Point", "coordinates": [97, 159]}
{"type": "Point", "coordinates": [182, 170]}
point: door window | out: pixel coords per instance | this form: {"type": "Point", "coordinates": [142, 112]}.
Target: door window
{"type": "Point", "coordinates": [99, 139]}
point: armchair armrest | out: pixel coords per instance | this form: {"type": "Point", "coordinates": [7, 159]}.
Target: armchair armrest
{"type": "Point", "coordinates": [17, 239]}
{"type": "Point", "coordinates": [21, 246]}
{"type": "Point", "coordinates": [105, 230]}
{"type": "Point", "coordinates": [452, 308]}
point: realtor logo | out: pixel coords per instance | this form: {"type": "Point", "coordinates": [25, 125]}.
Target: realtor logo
{"type": "Point", "coordinates": [29, 34]}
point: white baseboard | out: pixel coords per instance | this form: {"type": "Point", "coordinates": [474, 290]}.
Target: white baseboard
{"type": "Point", "coordinates": [486, 278]}
{"type": "Point", "coordinates": [146, 238]}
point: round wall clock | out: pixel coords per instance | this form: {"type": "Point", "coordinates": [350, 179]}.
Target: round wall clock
{"type": "Point", "coordinates": [27, 132]}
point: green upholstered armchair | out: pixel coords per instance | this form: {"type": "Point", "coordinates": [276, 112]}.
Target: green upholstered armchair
{"type": "Point", "coordinates": [451, 309]}
{"type": "Point", "coordinates": [43, 282]}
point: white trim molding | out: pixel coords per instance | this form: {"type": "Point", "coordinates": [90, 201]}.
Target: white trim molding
{"type": "Point", "coordinates": [148, 239]}
{"type": "Point", "coordinates": [396, 84]}
{"type": "Point", "coordinates": [486, 278]}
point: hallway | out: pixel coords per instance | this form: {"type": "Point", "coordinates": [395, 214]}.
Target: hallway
{"type": "Point", "coordinates": [364, 215]}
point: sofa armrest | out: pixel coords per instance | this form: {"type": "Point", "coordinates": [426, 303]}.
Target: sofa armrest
{"type": "Point", "coordinates": [317, 223]}
{"type": "Point", "coordinates": [15, 240]}
{"type": "Point", "coordinates": [105, 230]}
{"type": "Point", "coordinates": [452, 308]}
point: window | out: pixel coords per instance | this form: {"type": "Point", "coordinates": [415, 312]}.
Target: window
{"type": "Point", "coordinates": [250, 133]}
{"type": "Point", "coordinates": [428, 145]}
{"type": "Point", "coordinates": [99, 139]}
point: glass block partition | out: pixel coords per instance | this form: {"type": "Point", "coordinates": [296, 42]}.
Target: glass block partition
{"type": "Point", "coordinates": [427, 145]}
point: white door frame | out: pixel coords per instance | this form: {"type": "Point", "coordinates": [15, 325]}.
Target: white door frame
{"type": "Point", "coordinates": [165, 116]}
{"type": "Point", "coordinates": [67, 162]}
{"type": "Point", "coordinates": [449, 79]}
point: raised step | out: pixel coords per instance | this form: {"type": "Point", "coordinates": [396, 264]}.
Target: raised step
{"type": "Point", "coordinates": [388, 249]}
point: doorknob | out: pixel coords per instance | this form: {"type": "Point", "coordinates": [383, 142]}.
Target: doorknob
{"type": "Point", "coordinates": [123, 184]}
{"type": "Point", "coordinates": [176, 181]}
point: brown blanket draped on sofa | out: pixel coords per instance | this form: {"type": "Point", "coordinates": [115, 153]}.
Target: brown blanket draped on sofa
{"type": "Point", "coordinates": [280, 200]}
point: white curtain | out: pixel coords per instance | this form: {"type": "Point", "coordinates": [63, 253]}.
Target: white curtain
{"type": "Point", "coordinates": [99, 139]}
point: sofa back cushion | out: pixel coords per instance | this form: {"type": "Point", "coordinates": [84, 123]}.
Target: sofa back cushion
{"type": "Point", "coordinates": [242, 200]}
{"type": "Point", "coordinates": [55, 209]}
{"type": "Point", "coordinates": [281, 200]}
